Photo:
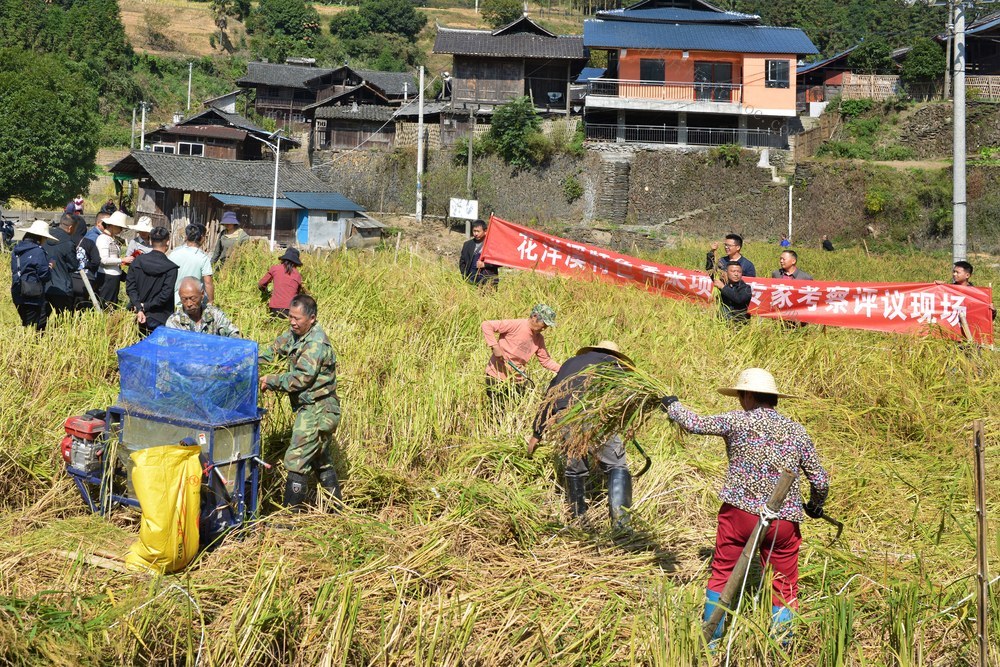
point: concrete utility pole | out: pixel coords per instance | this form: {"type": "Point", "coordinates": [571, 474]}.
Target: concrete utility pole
{"type": "Point", "coordinates": [958, 248]}
{"type": "Point", "coordinates": [420, 147]}
{"type": "Point", "coordinates": [468, 175]}
{"type": "Point", "coordinates": [950, 32]}
{"type": "Point", "coordinates": [131, 144]}
{"type": "Point", "coordinates": [190, 68]}
{"type": "Point", "coordinates": [142, 140]}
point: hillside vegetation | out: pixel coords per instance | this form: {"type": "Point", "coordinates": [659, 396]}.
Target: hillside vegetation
{"type": "Point", "coordinates": [455, 548]}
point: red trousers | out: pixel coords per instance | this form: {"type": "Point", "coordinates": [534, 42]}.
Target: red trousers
{"type": "Point", "coordinates": [780, 549]}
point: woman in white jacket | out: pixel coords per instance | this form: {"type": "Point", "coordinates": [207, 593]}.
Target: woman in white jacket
{"type": "Point", "coordinates": [109, 275]}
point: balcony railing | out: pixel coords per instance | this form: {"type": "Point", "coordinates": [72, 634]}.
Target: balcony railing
{"type": "Point", "coordinates": [667, 91]}
{"type": "Point", "coordinates": [696, 136]}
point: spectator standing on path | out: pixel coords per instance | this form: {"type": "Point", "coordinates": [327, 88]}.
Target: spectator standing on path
{"type": "Point", "coordinates": [760, 443]}
{"type": "Point", "coordinates": [196, 315]}
{"type": "Point", "coordinates": [232, 236]}
{"type": "Point", "coordinates": [961, 274]}
{"type": "Point", "coordinates": [561, 394]}
{"type": "Point", "coordinates": [473, 269]}
{"type": "Point", "coordinates": [785, 241]}
{"type": "Point", "coordinates": [733, 245]}
{"type": "Point", "coordinates": [827, 244]}
{"type": "Point", "coordinates": [193, 262]}
{"type": "Point", "coordinates": [789, 263]}
{"type": "Point", "coordinates": [140, 243]}
{"type": "Point", "coordinates": [109, 276]}
{"type": "Point", "coordinates": [150, 284]}
{"type": "Point", "coordinates": [311, 385]}
{"type": "Point", "coordinates": [30, 272]}
{"type": "Point", "coordinates": [287, 282]}
{"type": "Point", "coordinates": [734, 295]}
{"type": "Point", "coordinates": [514, 343]}
{"type": "Point", "coordinates": [61, 252]}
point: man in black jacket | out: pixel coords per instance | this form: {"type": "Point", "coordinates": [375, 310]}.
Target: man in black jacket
{"type": "Point", "coordinates": [735, 295]}
{"type": "Point", "coordinates": [562, 393]}
{"type": "Point", "coordinates": [150, 283]}
{"type": "Point", "coordinates": [474, 269]}
{"type": "Point", "coordinates": [61, 252]}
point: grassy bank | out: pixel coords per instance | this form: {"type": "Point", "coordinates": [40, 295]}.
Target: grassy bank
{"type": "Point", "coordinates": [455, 548]}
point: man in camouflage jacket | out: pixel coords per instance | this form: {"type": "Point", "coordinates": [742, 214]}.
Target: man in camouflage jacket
{"type": "Point", "coordinates": [311, 385]}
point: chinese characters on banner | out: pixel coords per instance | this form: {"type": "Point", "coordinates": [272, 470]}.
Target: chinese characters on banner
{"type": "Point", "coordinates": [896, 307]}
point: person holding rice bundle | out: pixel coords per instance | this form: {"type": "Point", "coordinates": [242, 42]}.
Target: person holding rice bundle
{"type": "Point", "coordinates": [760, 443]}
{"type": "Point", "coordinates": [562, 393]}
{"type": "Point", "coordinates": [514, 343]}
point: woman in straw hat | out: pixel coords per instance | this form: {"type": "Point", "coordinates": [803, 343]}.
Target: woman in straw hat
{"type": "Point", "coordinates": [228, 240]}
{"type": "Point", "coordinates": [109, 275]}
{"type": "Point", "coordinates": [140, 244]}
{"type": "Point", "coordinates": [30, 271]}
{"type": "Point", "coordinates": [760, 442]}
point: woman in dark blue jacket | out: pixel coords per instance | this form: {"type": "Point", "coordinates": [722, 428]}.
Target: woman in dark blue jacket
{"type": "Point", "coordinates": [30, 272]}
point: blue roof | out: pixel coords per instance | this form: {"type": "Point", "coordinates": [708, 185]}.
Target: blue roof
{"type": "Point", "coordinates": [323, 201]}
{"type": "Point", "coordinates": [676, 15]}
{"type": "Point", "coordinates": [254, 202]}
{"type": "Point", "coordinates": [588, 73]}
{"type": "Point", "coordinates": [617, 34]}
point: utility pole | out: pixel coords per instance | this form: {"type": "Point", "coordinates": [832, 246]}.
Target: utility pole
{"type": "Point", "coordinates": [468, 175]}
{"type": "Point", "coordinates": [950, 32]}
{"type": "Point", "coordinates": [142, 140]}
{"type": "Point", "coordinates": [420, 147]}
{"type": "Point", "coordinates": [132, 142]}
{"type": "Point", "coordinates": [190, 68]}
{"type": "Point", "coordinates": [958, 249]}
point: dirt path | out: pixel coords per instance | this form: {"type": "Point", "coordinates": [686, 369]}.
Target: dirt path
{"type": "Point", "coordinates": [903, 165]}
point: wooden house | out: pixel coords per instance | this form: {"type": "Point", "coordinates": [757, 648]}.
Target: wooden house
{"type": "Point", "coordinates": [493, 67]}
{"type": "Point", "coordinates": [686, 72]}
{"type": "Point", "coordinates": [212, 133]}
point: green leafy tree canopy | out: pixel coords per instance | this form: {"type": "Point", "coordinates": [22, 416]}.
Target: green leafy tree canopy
{"type": "Point", "coordinates": [924, 62]}
{"type": "Point", "coordinates": [281, 28]}
{"type": "Point", "coordinates": [48, 128]}
{"type": "Point", "coordinates": [873, 56]}
{"type": "Point", "coordinates": [515, 132]}
{"type": "Point", "coordinates": [499, 13]}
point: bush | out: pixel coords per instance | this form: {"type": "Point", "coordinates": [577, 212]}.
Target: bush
{"type": "Point", "coordinates": [728, 155]}
{"type": "Point", "coordinates": [572, 188]}
{"type": "Point", "coordinates": [876, 201]}
{"type": "Point", "coordinates": [516, 134]}
{"type": "Point", "coordinates": [854, 108]}
{"type": "Point", "coordinates": [894, 152]}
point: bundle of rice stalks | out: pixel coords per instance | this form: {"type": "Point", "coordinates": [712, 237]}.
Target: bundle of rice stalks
{"type": "Point", "coordinates": [612, 402]}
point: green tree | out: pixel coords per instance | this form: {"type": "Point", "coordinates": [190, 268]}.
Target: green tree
{"type": "Point", "coordinates": [222, 11]}
{"type": "Point", "coordinates": [874, 56]}
{"type": "Point", "coordinates": [924, 62]}
{"type": "Point", "coordinates": [48, 127]}
{"type": "Point", "coordinates": [397, 17]}
{"type": "Point", "coordinates": [280, 28]}
{"type": "Point", "coordinates": [498, 13]}
{"type": "Point", "coordinates": [515, 133]}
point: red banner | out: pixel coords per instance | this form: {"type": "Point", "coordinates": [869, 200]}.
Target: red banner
{"type": "Point", "coordinates": [898, 307]}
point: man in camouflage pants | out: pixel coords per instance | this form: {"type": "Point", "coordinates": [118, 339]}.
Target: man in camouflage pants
{"type": "Point", "coordinates": [311, 385]}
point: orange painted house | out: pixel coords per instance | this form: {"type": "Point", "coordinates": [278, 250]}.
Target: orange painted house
{"type": "Point", "coordinates": [686, 72]}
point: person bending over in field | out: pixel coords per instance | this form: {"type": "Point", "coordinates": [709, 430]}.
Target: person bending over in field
{"type": "Point", "coordinates": [560, 395]}
{"type": "Point", "coordinates": [514, 343]}
{"type": "Point", "coordinates": [311, 385]}
{"type": "Point", "coordinates": [760, 443]}
{"type": "Point", "coordinates": [195, 315]}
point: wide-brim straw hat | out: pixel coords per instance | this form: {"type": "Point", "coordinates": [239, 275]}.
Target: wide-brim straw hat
{"type": "Point", "coordinates": [37, 228]}
{"type": "Point", "coordinates": [117, 219]}
{"type": "Point", "coordinates": [144, 225]}
{"type": "Point", "coordinates": [609, 347]}
{"type": "Point", "coordinates": [756, 380]}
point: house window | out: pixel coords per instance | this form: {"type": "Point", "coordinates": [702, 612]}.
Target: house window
{"type": "Point", "coordinates": [651, 69]}
{"type": "Point", "coordinates": [163, 148]}
{"type": "Point", "coordinates": [777, 73]}
{"type": "Point", "coordinates": [187, 148]}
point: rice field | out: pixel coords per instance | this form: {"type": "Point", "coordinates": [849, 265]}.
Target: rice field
{"type": "Point", "coordinates": [455, 548]}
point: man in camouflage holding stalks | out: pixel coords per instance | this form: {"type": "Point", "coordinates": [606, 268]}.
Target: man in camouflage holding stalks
{"type": "Point", "coordinates": [311, 385]}
{"type": "Point", "coordinates": [562, 393]}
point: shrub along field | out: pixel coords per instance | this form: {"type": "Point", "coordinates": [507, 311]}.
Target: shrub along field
{"type": "Point", "coordinates": [455, 548]}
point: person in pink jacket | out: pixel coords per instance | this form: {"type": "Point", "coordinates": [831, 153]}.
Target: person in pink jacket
{"type": "Point", "coordinates": [514, 343]}
{"type": "Point", "coordinates": [287, 282]}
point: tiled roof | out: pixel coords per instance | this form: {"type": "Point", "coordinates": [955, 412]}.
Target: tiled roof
{"type": "Point", "coordinates": [371, 112]}
{"type": "Point", "coordinates": [809, 67]}
{"type": "Point", "coordinates": [234, 120]}
{"type": "Point", "coordinates": [252, 178]}
{"type": "Point", "coordinates": [390, 83]}
{"type": "Point", "coordinates": [273, 74]}
{"type": "Point", "coordinates": [516, 45]}
{"type": "Point", "coordinates": [211, 131]}
{"type": "Point", "coordinates": [329, 101]}
{"type": "Point", "coordinates": [677, 15]}
{"type": "Point", "coordinates": [430, 108]}
{"type": "Point", "coordinates": [599, 33]}
{"type": "Point", "coordinates": [323, 201]}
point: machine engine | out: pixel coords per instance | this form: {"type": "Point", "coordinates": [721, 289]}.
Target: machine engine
{"type": "Point", "coordinates": [83, 446]}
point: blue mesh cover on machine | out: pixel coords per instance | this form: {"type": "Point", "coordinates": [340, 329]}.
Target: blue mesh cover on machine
{"type": "Point", "coordinates": [190, 376]}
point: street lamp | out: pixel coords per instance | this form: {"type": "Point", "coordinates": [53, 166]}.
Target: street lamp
{"type": "Point", "coordinates": [276, 148]}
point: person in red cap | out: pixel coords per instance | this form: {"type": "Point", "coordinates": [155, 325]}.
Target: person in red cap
{"type": "Point", "coordinates": [287, 282]}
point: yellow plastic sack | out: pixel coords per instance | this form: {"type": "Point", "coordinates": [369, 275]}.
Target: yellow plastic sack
{"type": "Point", "coordinates": [167, 482]}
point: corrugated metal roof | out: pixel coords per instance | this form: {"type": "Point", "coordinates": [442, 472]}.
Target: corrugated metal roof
{"type": "Point", "coordinates": [365, 221]}
{"type": "Point", "coordinates": [516, 45]}
{"type": "Point", "coordinates": [323, 201]}
{"type": "Point", "coordinates": [696, 37]}
{"type": "Point", "coordinates": [677, 15]}
{"type": "Point", "coordinates": [254, 202]}
{"type": "Point", "coordinates": [372, 112]}
{"type": "Point", "coordinates": [253, 178]}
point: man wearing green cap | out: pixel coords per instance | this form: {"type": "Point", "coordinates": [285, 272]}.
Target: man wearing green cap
{"type": "Point", "coordinates": [514, 343]}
